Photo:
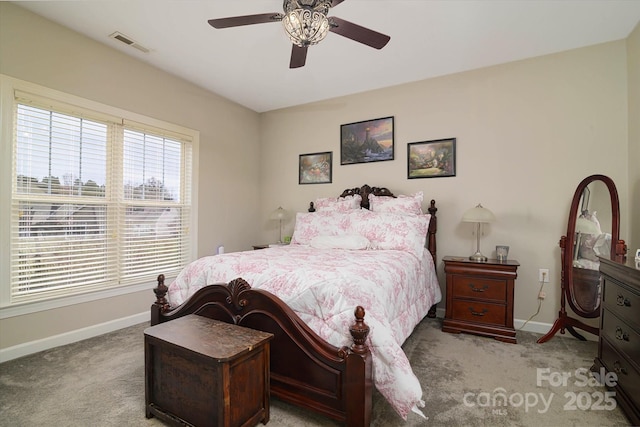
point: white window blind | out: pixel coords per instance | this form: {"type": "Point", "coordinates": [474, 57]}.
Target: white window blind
{"type": "Point", "coordinates": [96, 203]}
{"type": "Point", "coordinates": [156, 217]}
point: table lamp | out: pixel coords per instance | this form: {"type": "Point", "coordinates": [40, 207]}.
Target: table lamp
{"type": "Point", "coordinates": [584, 227]}
{"type": "Point", "coordinates": [479, 215]}
{"type": "Point", "coordinates": [279, 215]}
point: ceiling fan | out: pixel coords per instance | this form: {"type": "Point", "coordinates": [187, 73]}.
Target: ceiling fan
{"type": "Point", "coordinates": [306, 23]}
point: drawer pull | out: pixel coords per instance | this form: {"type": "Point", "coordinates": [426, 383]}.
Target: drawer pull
{"type": "Point", "coordinates": [477, 313]}
{"type": "Point", "coordinates": [621, 335]}
{"type": "Point", "coordinates": [619, 369]}
{"type": "Point", "coordinates": [474, 289]}
{"type": "Point", "coordinates": [622, 301]}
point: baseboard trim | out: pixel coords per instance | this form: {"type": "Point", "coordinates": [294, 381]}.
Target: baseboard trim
{"type": "Point", "coordinates": [543, 328]}
{"type": "Point", "coordinates": [31, 347]}
{"type": "Point", "coordinates": [534, 327]}
{"type": "Point", "coordinates": [28, 348]}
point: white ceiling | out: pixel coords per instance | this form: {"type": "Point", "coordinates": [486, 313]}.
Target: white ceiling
{"type": "Point", "coordinates": [250, 64]}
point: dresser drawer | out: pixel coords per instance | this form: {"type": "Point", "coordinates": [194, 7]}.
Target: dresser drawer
{"type": "Point", "coordinates": [625, 339]}
{"type": "Point", "coordinates": [479, 312]}
{"type": "Point", "coordinates": [622, 302]}
{"type": "Point", "coordinates": [628, 377]}
{"type": "Point", "coordinates": [479, 288]}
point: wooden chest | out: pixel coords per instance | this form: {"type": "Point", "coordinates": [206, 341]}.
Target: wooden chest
{"type": "Point", "coordinates": [619, 344]}
{"type": "Point", "coordinates": [480, 297]}
{"type": "Point", "coordinates": [204, 372]}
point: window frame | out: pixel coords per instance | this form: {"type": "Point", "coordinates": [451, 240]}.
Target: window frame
{"type": "Point", "coordinates": [9, 87]}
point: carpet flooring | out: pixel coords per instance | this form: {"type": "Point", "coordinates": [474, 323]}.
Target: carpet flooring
{"type": "Point", "coordinates": [467, 381]}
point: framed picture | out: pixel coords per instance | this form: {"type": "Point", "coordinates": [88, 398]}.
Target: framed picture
{"type": "Point", "coordinates": [431, 159]}
{"type": "Point", "coordinates": [366, 141]}
{"type": "Point", "coordinates": [315, 168]}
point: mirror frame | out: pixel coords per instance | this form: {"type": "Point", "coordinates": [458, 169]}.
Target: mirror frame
{"type": "Point", "coordinates": [570, 239]}
{"type": "Point", "coordinates": [567, 245]}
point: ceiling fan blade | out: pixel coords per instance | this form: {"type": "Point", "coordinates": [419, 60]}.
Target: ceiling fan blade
{"type": "Point", "coordinates": [334, 3]}
{"type": "Point", "coordinates": [238, 21]}
{"type": "Point", "coordinates": [356, 32]}
{"type": "Point", "coordinates": [298, 56]}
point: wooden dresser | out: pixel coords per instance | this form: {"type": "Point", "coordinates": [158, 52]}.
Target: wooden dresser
{"type": "Point", "coordinates": [480, 297]}
{"type": "Point", "coordinates": [619, 343]}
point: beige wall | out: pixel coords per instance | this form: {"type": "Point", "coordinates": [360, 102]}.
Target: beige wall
{"type": "Point", "coordinates": [527, 133]}
{"type": "Point", "coordinates": [39, 51]}
{"type": "Point", "coordinates": [633, 66]}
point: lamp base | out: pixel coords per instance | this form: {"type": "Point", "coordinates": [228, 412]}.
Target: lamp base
{"type": "Point", "coordinates": [478, 257]}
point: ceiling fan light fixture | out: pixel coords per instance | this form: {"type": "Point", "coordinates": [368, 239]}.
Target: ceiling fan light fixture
{"type": "Point", "coordinates": [305, 21]}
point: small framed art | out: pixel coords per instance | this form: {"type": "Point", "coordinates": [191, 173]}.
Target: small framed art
{"type": "Point", "coordinates": [315, 168]}
{"type": "Point", "coordinates": [366, 141]}
{"type": "Point", "coordinates": [431, 159]}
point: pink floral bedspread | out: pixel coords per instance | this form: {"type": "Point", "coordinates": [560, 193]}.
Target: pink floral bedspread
{"type": "Point", "coordinates": [323, 287]}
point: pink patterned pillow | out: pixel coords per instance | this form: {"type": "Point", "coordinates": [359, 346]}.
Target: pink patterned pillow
{"type": "Point", "coordinates": [324, 223]}
{"type": "Point", "coordinates": [404, 205]}
{"type": "Point", "coordinates": [392, 231]}
{"type": "Point", "coordinates": [340, 204]}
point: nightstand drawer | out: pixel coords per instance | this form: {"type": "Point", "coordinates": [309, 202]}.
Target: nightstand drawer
{"type": "Point", "coordinates": [479, 312]}
{"type": "Point", "coordinates": [479, 288]}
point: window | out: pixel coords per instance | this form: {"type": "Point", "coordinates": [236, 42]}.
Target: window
{"type": "Point", "coordinates": [97, 201]}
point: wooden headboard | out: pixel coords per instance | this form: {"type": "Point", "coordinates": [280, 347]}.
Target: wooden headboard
{"type": "Point", "coordinates": [364, 192]}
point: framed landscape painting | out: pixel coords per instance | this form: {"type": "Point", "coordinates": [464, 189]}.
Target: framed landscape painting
{"type": "Point", "coordinates": [315, 168]}
{"type": "Point", "coordinates": [431, 159]}
{"type": "Point", "coordinates": [366, 141]}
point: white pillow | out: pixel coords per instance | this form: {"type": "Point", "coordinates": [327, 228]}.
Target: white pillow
{"type": "Point", "coordinates": [346, 241]}
{"type": "Point", "coordinates": [403, 205]}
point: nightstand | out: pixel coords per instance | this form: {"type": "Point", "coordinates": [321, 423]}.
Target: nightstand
{"type": "Point", "coordinates": [269, 245]}
{"type": "Point", "coordinates": [480, 297]}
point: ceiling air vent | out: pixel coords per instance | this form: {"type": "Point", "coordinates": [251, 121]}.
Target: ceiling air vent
{"type": "Point", "coordinates": [127, 40]}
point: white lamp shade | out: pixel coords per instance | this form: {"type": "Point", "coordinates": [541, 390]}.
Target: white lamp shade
{"type": "Point", "coordinates": [279, 214]}
{"type": "Point", "coordinates": [478, 214]}
{"type": "Point", "coordinates": [585, 226]}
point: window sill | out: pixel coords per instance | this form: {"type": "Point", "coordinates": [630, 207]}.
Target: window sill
{"type": "Point", "coordinates": [34, 307]}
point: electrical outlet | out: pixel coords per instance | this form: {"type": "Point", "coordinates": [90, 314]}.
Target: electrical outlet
{"type": "Point", "coordinates": [543, 275]}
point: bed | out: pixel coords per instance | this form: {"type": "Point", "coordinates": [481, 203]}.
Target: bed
{"type": "Point", "coordinates": [312, 296]}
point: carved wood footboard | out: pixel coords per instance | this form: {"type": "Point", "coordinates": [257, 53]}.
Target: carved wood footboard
{"type": "Point", "coordinates": [305, 370]}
